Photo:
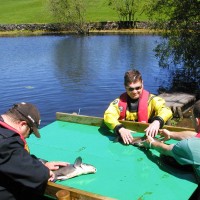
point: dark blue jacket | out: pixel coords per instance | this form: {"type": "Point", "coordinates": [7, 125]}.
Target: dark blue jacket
{"type": "Point", "coordinates": [22, 176]}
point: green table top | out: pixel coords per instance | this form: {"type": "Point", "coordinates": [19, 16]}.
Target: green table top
{"type": "Point", "coordinates": [123, 172]}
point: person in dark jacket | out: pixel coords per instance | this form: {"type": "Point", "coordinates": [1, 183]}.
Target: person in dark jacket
{"type": "Point", "coordinates": [22, 176]}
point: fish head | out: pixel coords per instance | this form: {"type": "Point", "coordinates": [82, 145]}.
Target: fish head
{"type": "Point", "coordinates": [139, 141]}
{"type": "Point", "coordinates": [88, 168]}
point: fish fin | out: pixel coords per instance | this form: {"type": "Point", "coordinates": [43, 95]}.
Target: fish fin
{"type": "Point", "coordinates": [78, 162]}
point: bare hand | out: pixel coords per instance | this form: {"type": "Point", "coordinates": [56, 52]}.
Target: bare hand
{"type": "Point", "coordinates": [165, 133]}
{"type": "Point", "coordinates": [148, 141]}
{"type": "Point", "coordinates": [54, 165]}
{"type": "Point", "coordinates": [126, 135]}
{"type": "Point", "coordinates": [52, 176]}
{"type": "Point", "coordinates": [152, 129]}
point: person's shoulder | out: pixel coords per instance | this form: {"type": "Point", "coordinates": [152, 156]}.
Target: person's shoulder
{"type": "Point", "coordinates": [155, 97]}
{"type": "Point", "coordinates": [121, 97]}
{"type": "Point", "coordinates": [116, 101]}
{"type": "Point", "coordinates": [6, 133]}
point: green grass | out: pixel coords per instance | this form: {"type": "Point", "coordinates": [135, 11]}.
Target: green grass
{"type": "Point", "coordinates": [97, 10]}
{"type": "Point", "coordinates": [24, 11]}
{"type": "Point", "coordinates": [35, 11]}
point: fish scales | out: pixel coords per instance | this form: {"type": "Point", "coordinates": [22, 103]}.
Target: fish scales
{"type": "Point", "coordinates": [72, 170]}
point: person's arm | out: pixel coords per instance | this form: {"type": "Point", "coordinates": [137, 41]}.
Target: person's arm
{"type": "Point", "coordinates": [161, 147]}
{"type": "Point", "coordinates": [112, 115]}
{"type": "Point", "coordinates": [176, 135]}
{"type": "Point", "coordinates": [21, 167]}
{"type": "Point", "coordinates": [162, 114]}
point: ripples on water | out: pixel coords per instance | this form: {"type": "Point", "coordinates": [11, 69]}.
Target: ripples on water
{"type": "Point", "coordinates": [72, 74]}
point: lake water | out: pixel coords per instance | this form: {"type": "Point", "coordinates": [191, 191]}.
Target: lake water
{"type": "Point", "coordinates": [74, 74]}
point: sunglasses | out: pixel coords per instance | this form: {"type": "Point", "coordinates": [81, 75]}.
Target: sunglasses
{"type": "Point", "coordinates": [130, 89]}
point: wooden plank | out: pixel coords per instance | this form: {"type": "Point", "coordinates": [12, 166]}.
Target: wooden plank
{"type": "Point", "coordinates": [179, 102]}
{"type": "Point", "coordinates": [75, 194]}
{"type": "Point", "coordinates": [140, 127]}
{"type": "Point", "coordinates": [177, 99]}
{"type": "Point", "coordinates": [97, 121]}
{"type": "Point", "coordinates": [81, 119]}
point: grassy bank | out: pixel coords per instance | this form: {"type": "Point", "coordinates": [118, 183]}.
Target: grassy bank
{"type": "Point", "coordinates": [24, 11]}
{"type": "Point", "coordinates": [36, 11]}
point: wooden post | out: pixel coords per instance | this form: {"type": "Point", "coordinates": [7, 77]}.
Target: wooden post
{"type": "Point", "coordinates": [63, 195]}
{"type": "Point", "coordinates": [180, 113]}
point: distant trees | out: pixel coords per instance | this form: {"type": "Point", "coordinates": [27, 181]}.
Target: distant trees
{"type": "Point", "coordinates": [180, 22]}
{"type": "Point", "coordinates": [71, 12]}
{"type": "Point", "coordinates": [126, 9]}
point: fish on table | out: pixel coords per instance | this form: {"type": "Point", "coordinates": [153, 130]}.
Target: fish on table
{"type": "Point", "coordinates": [138, 141]}
{"type": "Point", "coordinates": [72, 170]}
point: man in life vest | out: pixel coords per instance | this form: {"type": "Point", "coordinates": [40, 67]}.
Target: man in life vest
{"type": "Point", "coordinates": [136, 104]}
{"type": "Point", "coordinates": [22, 176]}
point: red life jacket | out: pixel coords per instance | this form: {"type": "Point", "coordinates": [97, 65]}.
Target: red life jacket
{"type": "Point", "coordinates": [12, 129]}
{"type": "Point", "coordinates": [142, 106]}
{"type": "Point", "coordinates": [198, 135]}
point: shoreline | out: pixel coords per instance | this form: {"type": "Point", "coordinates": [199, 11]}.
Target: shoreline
{"type": "Point", "coordinates": [92, 32]}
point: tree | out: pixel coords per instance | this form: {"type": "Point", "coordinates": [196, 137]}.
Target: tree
{"type": "Point", "coordinates": [71, 12]}
{"type": "Point", "coordinates": [126, 9]}
{"type": "Point", "coordinates": [180, 22]}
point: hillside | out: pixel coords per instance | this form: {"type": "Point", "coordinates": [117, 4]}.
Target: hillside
{"type": "Point", "coordinates": [36, 11]}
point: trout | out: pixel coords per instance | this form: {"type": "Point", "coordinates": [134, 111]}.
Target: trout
{"type": "Point", "coordinates": [72, 170]}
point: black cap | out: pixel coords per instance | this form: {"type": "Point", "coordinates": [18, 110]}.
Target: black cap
{"type": "Point", "coordinates": [30, 114]}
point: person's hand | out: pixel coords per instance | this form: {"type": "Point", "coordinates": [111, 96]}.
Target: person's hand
{"type": "Point", "coordinates": [126, 135]}
{"type": "Point", "coordinates": [147, 143]}
{"type": "Point", "coordinates": [152, 129]}
{"type": "Point", "coordinates": [52, 176]}
{"type": "Point", "coordinates": [54, 165]}
{"type": "Point", "coordinates": [164, 133]}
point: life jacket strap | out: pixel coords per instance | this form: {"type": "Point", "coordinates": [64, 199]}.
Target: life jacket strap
{"type": "Point", "coordinates": [142, 106]}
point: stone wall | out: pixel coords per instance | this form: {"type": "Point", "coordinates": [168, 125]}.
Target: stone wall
{"type": "Point", "coordinates": [68, 27]}
{"type": "Point", "coordinates": [33, 27]}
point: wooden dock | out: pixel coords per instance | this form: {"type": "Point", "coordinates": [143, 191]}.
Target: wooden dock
{"type": "Point", "coordinates": [179, 102]}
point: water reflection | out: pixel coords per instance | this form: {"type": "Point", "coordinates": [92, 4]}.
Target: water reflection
{"type": "Point", "coordinates": [106, 57]}
{"type": "Point", "coordinates": [72, 74]}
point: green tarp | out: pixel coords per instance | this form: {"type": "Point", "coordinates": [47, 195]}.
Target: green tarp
{"type": "Point", "coordinates": [123, 172]}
